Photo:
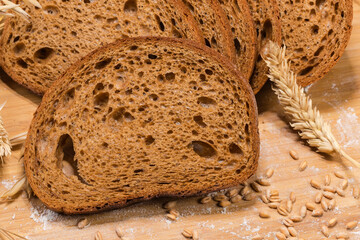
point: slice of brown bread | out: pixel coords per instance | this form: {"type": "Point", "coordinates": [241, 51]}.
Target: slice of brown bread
{"type": "Point", "coordinates": [35, 54]}
{"type": "Point", "coordinates": [266, 17]}
{"type": "Point", "coordinates": [138, 119]}
{"type": "Point", "coordinates": [214, 25]}
{"type": "Point", "coordinates": [244, 34]}
{"type": "Point", "coordinates": [316, 34]}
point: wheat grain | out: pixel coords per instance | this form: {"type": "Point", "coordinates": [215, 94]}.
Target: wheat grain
{"type": "Point", "coordinates": [305, 118]}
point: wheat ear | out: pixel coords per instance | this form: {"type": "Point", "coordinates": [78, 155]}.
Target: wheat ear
{"type": "Point", "coordinates": [5, 145]}
{"type": "Point", "coordinates": [305, 118]}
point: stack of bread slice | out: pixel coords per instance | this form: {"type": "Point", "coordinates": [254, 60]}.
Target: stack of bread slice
{"type": "Point", "coordinates": [146, 99]}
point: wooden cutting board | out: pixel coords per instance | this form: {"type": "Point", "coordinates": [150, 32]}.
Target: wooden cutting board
{"type": "Point", "coordinates": [338, 98]}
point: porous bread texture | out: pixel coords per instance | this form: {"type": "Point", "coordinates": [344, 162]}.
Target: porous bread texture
{"type": "Point", "coordinates": [214, 25]}
{"type": "Point", "coordinates": [316, 33]}
{"type": "Point", "coordinates": [266, 17]}
{"type": "Point", "coordinates": [243, 32]}
{"type": "Point", "coordinates": [35, 54]}
{"type": "Point", "coordinates": [138, 119]}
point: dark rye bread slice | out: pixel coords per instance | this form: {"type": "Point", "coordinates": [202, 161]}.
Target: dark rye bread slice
{"type": "Point", "coordinates": [316, 34]}
{"type": "Point", "coordinates": [138, 119]}
{"type": "Point", "coordinates": [214, 25]}
{"type": "Point", "coordinates": [35, 54]}
{"type": "Point", "coordinates": [266, 17]}
{"type": "Point", "coordinates": [243, 34]}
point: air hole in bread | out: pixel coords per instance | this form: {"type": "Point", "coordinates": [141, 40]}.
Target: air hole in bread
{"type": "Point", "coordinates": [207, 42]}
{"type": "Point", "coordinates": [19, 48]}
{"type": "Point", "coordinates": [315, 29]}
{"type": "Point", "coordinates": [152, 56]}
{"type": "Point", "coordinates": [208, 72]}
{"type": "Point", "coordinates": [52, 10]}
{"type": "Point", "coordinates": [154, 97]}
{"type": "Point", "coordinates": [128, 117]}
{"type": "Point", "coordinates": [22, 63]}
{"type": "Point", "coordinates": [130, 6]}
{"type": "Point", "coordinates": [69, 95]}
{"type": "Point", "coordinates": [206, 102]}
{"type": "Point", "coordinates": [118, 114]}
{"type": "Point", "coordinates": [160, 23]}
{"type": "Point", "coordinates": [213, 42]}
{"type": "Point", "coordinates": [235, 149]}
{"type": "Point", "coordinates": [170, 76]}
{"type": "Point", "coordinates": [43, 54]}
{"type": "Point", "coordinates": [319, 3]}
{"type": "Point", "coordinates": [203, 149]}
{"type": "Point", "coordinates": [266, 32]}
{"type": "Point", "coordinates": [103, 63]}
{"type": "Point", "coordinates": [306, 70]}
{"type": "Point", "coordinates": [237, 46]}
{"type": "Point", "coordinates": [176, 33]}
{"type": "Point", "coordinates": [101, 99]}
{"type": "Point", "coordinates": [149, 140]}
{"type": "Point", "coordinates": [16, 39]}
{"type": "Point", "coordinates": [199, 120]}
{"type": "Point", "coordinates": [238, 171]}
{"type": "Point", "coordinates": [312, 13]}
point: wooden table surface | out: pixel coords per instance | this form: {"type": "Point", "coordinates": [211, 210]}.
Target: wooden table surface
{"type": "Point", "coordinates": [338, 98]}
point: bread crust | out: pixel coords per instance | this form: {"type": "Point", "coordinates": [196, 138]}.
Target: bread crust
{"type": "Point", "coordinates": [39, 84]}
{"type": "Point", "coordinates": [204, 51]}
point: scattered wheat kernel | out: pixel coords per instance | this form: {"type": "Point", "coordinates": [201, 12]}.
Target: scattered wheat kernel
{"type": "Point", "coordinates": [119, 232]}
{"type": "Point", "coordinates": [344, 184]}
{"type": "Point", "coordinates": [327, 180]}
{"type": "Point", "coordinates": [329, 189]}
{"type": "Point", "coordinates": [249, 197]}
{"type": "Point", "coordinates": [255, 187]}
{"type": "Point", "coordinates": [339, 174]}
{"type": "Point", "coordinates": [315, 184]}
{"type": "Point", "coordinates": [235, 199]}
{"type": "Point", "coordinates": [231, 193]}
{"type": "Point", "coordinates": [171, 217]}
{"type": "Point", "coordinates": [325, 230]}
{"type": "Point", "coordinates": [245, 191]}
{"type": "Point", "coordinates": [310, 206]}
{"type": "Point", "coordinates": [303, 211]}
{"type": "Point", "coordinates": [82, 223]}
{"type": "Point", "coordinates": [343, 235]}
{"type": "Point", "coordinates": [318, 197]}
{"type": "Point", "coordinates": [280, 236]}
{"type": "Point", "coordinates": [356, 192]}
{"type": "Point", "coordinates": [169, 205]}
{"type": "Point", "coordinates": [292, 197]}
{"type": "Point", "coordinates": [263, 182]}
{"type": "Point", "coordinates": [264, 214]}
{"type": "Point", "coordinates": [284, 230]}
{"type": "Point", "coordinates": [187, 233]}
{"type": "Point", "coordinates": [324, 205]}
{"type": "Point", "coordinates": [282, 211]}
{"type": "Point", "coordinates": [224, 203]}
{"type": "Point", "coordinates": [264, 199]}
{"type": "Point", "coordinates": [292, 231]}
{"type": "Point", "coordinates": [269, 172]}
{"type": "Point", "coordinates": [274, 199]}
{"type": "Point", "coordinates": [317, 213]}
{"type": "Point", "coordinates": [257, 237]}
{"type": "Point", "coordinates": [98, 236]}
{"type": "Point", "coordinates": [274, 192]}
{"type": "Point", "coordinates": [294, 154]}
{"type": "Point", "coordinates": [303, 165]}
{"type": "Point", "coordinates": [288, 222]}
{"type": "Point", "coordinates": [340, 192]}
{"type": "Point", "coordinates": [195, 235]}
{"type": "Point", "coordinates": [328, 195]}
{"type": "Point", "coordinates": [268, 193]}
{"type": "Point", "coordinates": [351, 225]}
{"type": "Point", "coordinates": [332, 222]}
{"type": "Point", "coordinates": [289, 206]}
{"type": "Point", "coordinates": [174, 212]}
{"type": "Point", "coordinates": [296, 218]}
{"type": "Point", "coordinates": [332, 204]}
{"type": "Point", "coordinates": [219, 197]}
{"type": "Point", "coordinates": [205, 199]}
{"type": "Point", "coordinates": [292, 238]}
{"type": "Point", "coordinates": [273, 205]}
